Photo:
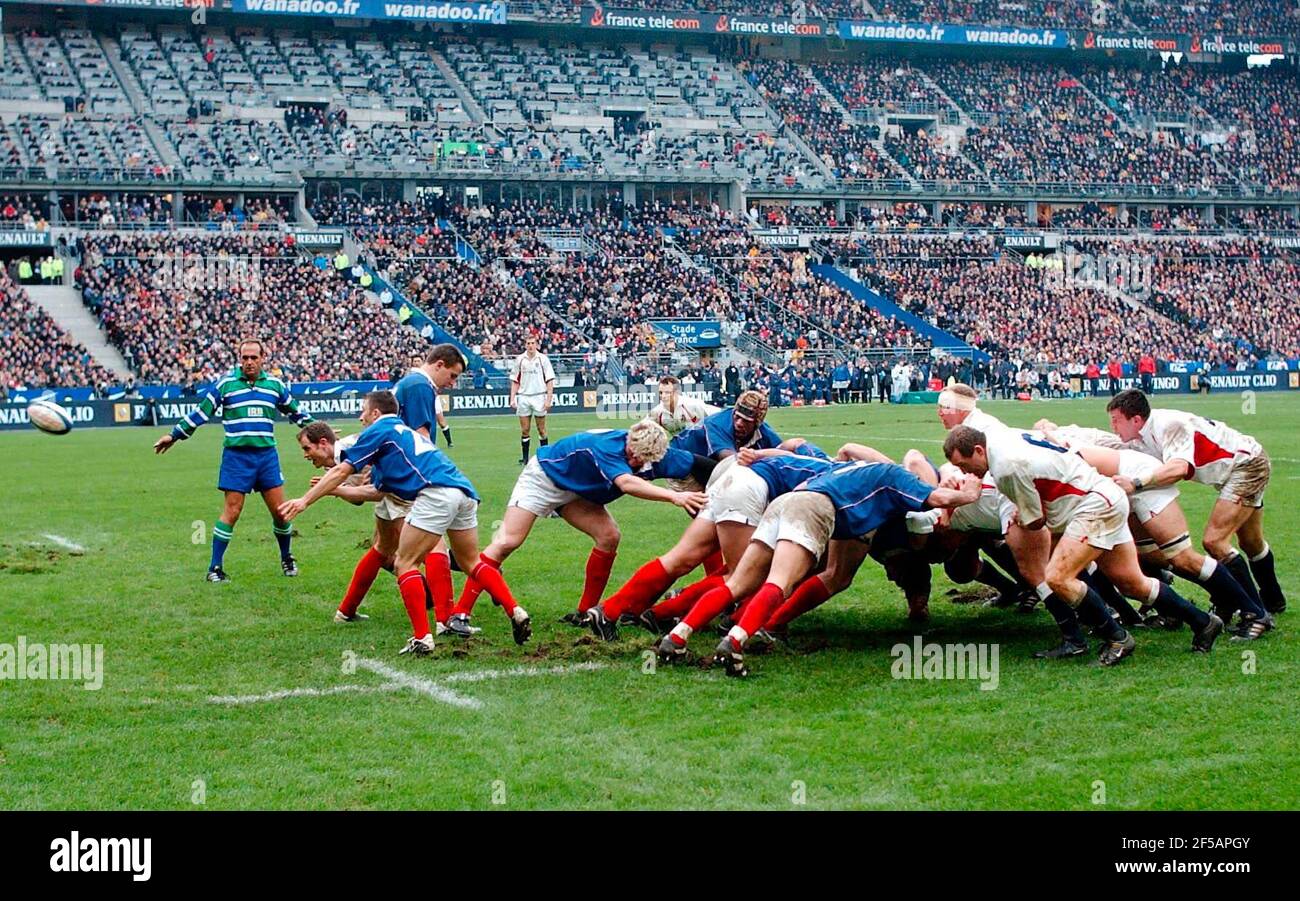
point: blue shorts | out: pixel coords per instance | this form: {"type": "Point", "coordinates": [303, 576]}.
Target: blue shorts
{"type": "Point", "coordinates": [249, 469]}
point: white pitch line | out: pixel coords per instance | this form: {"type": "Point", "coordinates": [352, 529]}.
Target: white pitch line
{"type": "Point", "coordinates": [488, 674]}
{"type": "Point", "coordinates": [65, 543]}
{"type": "Point", "coordinates": [423, 686]}
{"type": "Point", "coordinates": [300, 693]}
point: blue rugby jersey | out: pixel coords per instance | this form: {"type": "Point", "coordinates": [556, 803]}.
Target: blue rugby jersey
{"type": "Point", "coordinates": [402, 461]}
{"type": "Point", "coordinates": [866, 495]}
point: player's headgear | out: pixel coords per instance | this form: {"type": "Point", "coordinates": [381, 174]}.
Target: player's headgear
{"type": "Point", "coordinates": [647, 441]}
{"type": "Point", "coordinates": [752, 405]}
{"type": "Point", "coordinates": [958, 397]}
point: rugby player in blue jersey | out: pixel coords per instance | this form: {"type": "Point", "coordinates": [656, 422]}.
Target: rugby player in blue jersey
{"type": "Point", "coordinates": [575, 478]}
{"type": "Point", "coordinates": [848, 502]}
{"type": "Point", "coordinates": [443, 503]}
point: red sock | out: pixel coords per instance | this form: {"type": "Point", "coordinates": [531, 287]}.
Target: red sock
{"type": "Point", "coordinates": [708, 607]}
{"type": "Point", "coordinates": [640, 591]}
{"type": "Point", "coordinates": [599, 565]}
{"type": "Point", "coordinates": [411, 585]}
{"type": "Point", "coordinates": [714, 565]}
{"type": "Point", "coordinates": [760, 608]}
{"type": "Point", "coordinates": [437, 569]}
{"type": "Point", "coordinates": [678, 606]}
{"type": "Point", "coordinates": [469, 594]}
{"type": "Point", "coordinates": [812, 592]}
{"type": "Point", "coordinates": [495, 585]}
{"type": "Point", "coordinates": [363, 577]}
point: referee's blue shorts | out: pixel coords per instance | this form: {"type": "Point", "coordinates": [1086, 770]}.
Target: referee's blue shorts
{"type": "Point", "coordinates": [249, 469]}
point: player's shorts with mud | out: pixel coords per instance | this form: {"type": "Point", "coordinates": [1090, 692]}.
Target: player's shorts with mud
{"type": "Point", "coordinates": [249, 469]}
{"type": "Point", "coordinates": [436, 510]}
{"type": "Point", "coordinates": [804, 517]}
{"type": "Point", "coordinates": [1101, 522]}
{"type": "Point", "coordinates": [535, 492]}
{"type": "Point", "coordinates": [736, 494]}
{"type": "Point", "coordinates": [392, 508]}
{"type": "Point", "coordinates": [530, 405]}
{"type": "Point", "coordinates": [1150, 502]}
{"type": "Point", "coordinates": [1247, 481]}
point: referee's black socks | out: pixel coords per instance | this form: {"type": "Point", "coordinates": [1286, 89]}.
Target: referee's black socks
{"type": "Point", "coordinates": [523, 445]}
{"type": "Point", "coordinates": [446, 433]}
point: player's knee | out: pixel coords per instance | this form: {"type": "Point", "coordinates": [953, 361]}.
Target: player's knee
{"type": "Point", "coordinates": [1059, 578]}
{"type": "Point", "coordinates": [607, 539]}
{"type": "Point", "coordinates": [1216, 545]}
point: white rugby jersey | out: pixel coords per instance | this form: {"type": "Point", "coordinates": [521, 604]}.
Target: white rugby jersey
{"type": "Point", "coordinates": [1073, 436]}
{"type": "Point", "coordinates": [985, 422]}
{"type": "Point", "coordinates": [1211, 447]}
{"type": "Point", "coordinates": [991, 513]}
{"type": "Point", "coordinates": [690, 412]}
{"type": "Point", "coordinates": [1046, 480]}
{"type": "Point", "coordinates": [343, 444]}
{"type": "Point", "coordinates": [532, 374]}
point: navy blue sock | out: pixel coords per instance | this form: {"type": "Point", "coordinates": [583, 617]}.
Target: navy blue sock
{"type": "Point", "coordinates": [1093, 614]}
{"type": "Point", "coordinates": [1066, 620]}
{"type": "Point", "coordinates": [1171, 603]}
{"type": "Point", "coordinates": [1240, 570]}
{"type": "Point", "coordinates": [1107, 591]}
{"type": "Point", "coordinates": [1228, 596]}
{"type": "Point", "coordinates": [1270, 590]}
{"type": "Point", "coordinates": [283, 533]}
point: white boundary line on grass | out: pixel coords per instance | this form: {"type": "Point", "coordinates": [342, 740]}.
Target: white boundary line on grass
{"type": "Point", "coordinates": [397, 680]}
{"type": "Point", "coordinates": [64, 543]}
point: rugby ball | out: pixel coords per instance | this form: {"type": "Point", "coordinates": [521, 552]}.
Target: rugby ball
{"type": "Point", "coordinates": [49, 417]}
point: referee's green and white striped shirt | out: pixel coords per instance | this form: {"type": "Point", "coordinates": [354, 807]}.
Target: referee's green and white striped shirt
{"type": "Point", "coordinates": [247, 409]}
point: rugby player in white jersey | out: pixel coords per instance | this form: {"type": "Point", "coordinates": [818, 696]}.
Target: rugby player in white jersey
{"type": "Point", "coordinates": [532, 389]}
{"type": "Point", "coordinates": [1210, 452]}
{"type": "Point", "coordinates": [1087, 513]}
{"type": "Point", "coordinates": [675, 410]}
{"type": "Point", "coordinates": [1159, 523]}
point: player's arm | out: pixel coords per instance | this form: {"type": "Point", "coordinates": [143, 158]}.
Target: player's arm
{"type": "Point", "coordinates": [967, 493]}
{"type": "Point", "coordinates": [516, 373]}
{"type": "Point", "coordinates": [690, 501]}
{"type": "Point", "coordinates": [1169, 473]}
{"type": "Point", "coordinates": [748, 456]}
{"type": "Point", "coordinates": [852, 451]}
{"type": "Point", "coordinates": [359, 494]}
{"type": "Point", "coordinates": [207, 408]}
{"type": "Point", "coordinates": [326, 486]}
{"type": "Point", "coordinates": [550, 382]}
{"type": "Point", "coordinates": [288, 405]}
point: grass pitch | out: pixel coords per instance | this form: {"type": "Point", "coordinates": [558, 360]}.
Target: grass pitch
{"type": "Point", "coordinates": [103, 543]}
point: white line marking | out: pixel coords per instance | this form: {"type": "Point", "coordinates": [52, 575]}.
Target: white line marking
{"type": "Point", "coordinates": [396, 680]}
{"type": "Point", "coordinates": [300, 693]}
{"type": "Point", "coordinates": [485, 675]}
{"type": "Point", "coordinates": [65, 543]}
{"type": "Point", "coordinates": [415, 683]}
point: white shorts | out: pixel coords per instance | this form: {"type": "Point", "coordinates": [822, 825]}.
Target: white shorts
{"type": "Point", "coordinates": [804, 517]}
{"type": "Point", "coordinates": [736, 494]}
{"type": "Point", "coordinates": [530, 404]}
{"type": "Point", "coordinates": [1100, 524]}
{"type": "Point", "coordinates": [992, 513]}
{"type": "Point", "coordinates": [436, 510]}
{"type": "Point", "coordinates": [1247, 481]}
{"type": "Point", "coordinates": [392, 507]}
{"type": "Point", "coordinates": [1148, 503]}
{"type": "Point", "coordinates": [536, 493]}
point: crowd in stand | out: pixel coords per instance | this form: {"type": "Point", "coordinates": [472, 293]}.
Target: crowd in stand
{"type": "Point", "coordinates": [35, 351]}
{"type": "Point", "coordinates": [26, 211]}
{"type": "Point", "coordinates": [176, 306]}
